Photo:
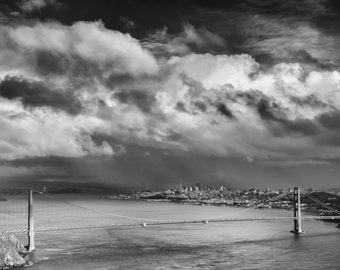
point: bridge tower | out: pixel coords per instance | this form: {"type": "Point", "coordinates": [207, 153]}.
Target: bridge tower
{"type": "Point", "coordinates": [297, 212]}
{"type": "Point", "coordinates": [30, 230]}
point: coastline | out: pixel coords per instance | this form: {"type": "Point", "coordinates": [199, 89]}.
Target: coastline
{"type": "Point", "coordinates": [195, 203]}
{"type": "Point", "coordinates": [12, 252]}
{"type": "Point", "coordinates": [206, 203]}
{"type": "Point", "coordinates": [252, 198]}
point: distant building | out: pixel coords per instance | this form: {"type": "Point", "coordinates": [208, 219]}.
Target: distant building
{"type": "Point", "coordinates": [290, 190]}
{"type": "Point", "coordinates": [310, 190]}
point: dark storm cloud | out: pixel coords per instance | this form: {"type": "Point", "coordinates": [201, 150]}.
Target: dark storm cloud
{"type": "Point", "coordinates": [280, 125]}
{"type": "Point", "coordinates": [302, 126]}
{"type": "Point", "coordinates": [82, 72]}
{"type": "Point", "coordinates": [304, 57]}
{"type": "Point", "coordinates": [269, 110]}
{"type": "Point", "coordinates": [36, 94]}
{"type": "Point", "coordinates": [117, 80]}
{"type": "Point", "coordinates": [223, 109]}
{"type": "Point", "coordinates": [6, 13]}
{"type": "Point", "coordinates": [49, 63]}
{"type": "Point", "coordinates": [330, 120]}
{"type": "Point", "coordinates": [201, 105]}
{"type": "Point", "coordinates": [330, 139]}
{"type": "Point", "coordinates": [149, 170]}
{"type": "Point", "coordinates": [252, 98]}
{"type": "Point", "coordinates": [264, 110]}
{"type": "Point", "coordinates": [310, 100]}
{"type": "Point", "coordinates": [139, 98]}
{"type": "Point", "coordinates": [180, 106]}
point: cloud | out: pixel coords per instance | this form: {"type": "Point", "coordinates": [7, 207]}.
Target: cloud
{"type": "Point", "coordinates": [222, 108]}
{"type": "Point", "coordinates": [276, 31]}
{"type": "Point", "coordinates": [126, 23]}
{"type": "Point", "coordinates": [249, 159]}
{"type": "Point", "coordinates": [42, 132]}
{"type": "Point", "coordinates": [135, 97]}
{"type": "Point", "coordinates": [242, 92]}
{"type": "Point", "coordinates": [54, 87]}
{"type": "Point", "coordinates": [216, 71]}
{"type": "Point", "coordinates": [63, 87]}
{"type": "Point", "coordinates": [330, 120]}
{"type": "Point", "coordinates": [269, 120]}
{"type": "Point", "coordinates": [90, 42]}
{"type": "Point", "coordinates": [199, 40]}
{"type": "Point", "coordinates": [296, 163]}
{"type": "Point", "coordinates": [281, 40]}
{"type": "Point", "coordinates": [36, 94]}
{"type": "Point", "coordinates": [280, 124]}
{"type": "Point", "coordinates": [36, 5]}
{"type": "Point", "coordinates": [8, 171]}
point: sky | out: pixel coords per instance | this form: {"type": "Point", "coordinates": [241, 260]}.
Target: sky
{"type": "Point", "coordinates": [149, 94]}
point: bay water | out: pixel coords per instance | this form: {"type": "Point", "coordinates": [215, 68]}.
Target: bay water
{"type": "Point", "coordinates": [239, 245]}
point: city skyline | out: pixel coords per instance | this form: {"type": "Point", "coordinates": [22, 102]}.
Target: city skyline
{"type": "Point", "coordinates": [129, 94]}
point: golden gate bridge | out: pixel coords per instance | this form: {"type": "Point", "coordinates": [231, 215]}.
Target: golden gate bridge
{"type": "Point", "coordinates": [32, 210]}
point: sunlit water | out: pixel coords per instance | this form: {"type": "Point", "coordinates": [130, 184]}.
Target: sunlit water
{"type": "Point", "coordinates": [255, 245]}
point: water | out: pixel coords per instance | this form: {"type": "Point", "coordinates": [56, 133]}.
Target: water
{"type": "Point", "coordinates": [255, 245]}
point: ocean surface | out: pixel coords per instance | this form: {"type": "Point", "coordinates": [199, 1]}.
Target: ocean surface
{"type": "Point", "coordinates": [243, 245]}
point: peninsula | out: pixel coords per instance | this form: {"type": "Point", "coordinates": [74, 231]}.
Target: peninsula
{"type": "Point", "coordinates": [222, 196]}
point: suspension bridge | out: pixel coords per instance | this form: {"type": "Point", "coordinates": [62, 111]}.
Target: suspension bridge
{"type": "Point", "coordinates": [39, 215]}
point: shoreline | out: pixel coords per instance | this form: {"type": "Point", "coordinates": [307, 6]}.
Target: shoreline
{"type": "Point", "coordinates": [209, 204]}
{"type": "Point", "coordinates": [184, 202]}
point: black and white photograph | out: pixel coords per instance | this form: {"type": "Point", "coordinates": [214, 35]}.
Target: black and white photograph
{"type": "Point", "coordinates": [163, 135]}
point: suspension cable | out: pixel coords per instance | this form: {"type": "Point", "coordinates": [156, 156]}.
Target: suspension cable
{"type": "Point", "coordinates": [321, 203]}
{"type": "Point", "coordinates": [96, 211]}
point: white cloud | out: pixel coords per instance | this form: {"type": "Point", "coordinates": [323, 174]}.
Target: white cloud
{"type": "Point", "coordinates": [249, 159]}
{"type": "Point", "coordinates": [216, 71]}
{"type": "Point", "coordinates": [32, 5]}
{"type": "Point", "coordinates": [191, 39]}
{"type": "Point", "coordinates": [42, 132]}
{"type": "Point", "coordinates": [110, 50]}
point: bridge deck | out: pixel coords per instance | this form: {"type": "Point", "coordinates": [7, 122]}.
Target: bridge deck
{"type": "Point", "coordinates": [175, 222]}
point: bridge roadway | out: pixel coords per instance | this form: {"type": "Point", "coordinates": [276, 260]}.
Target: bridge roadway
{"type": "Point", "coordinates": [175, 222]}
